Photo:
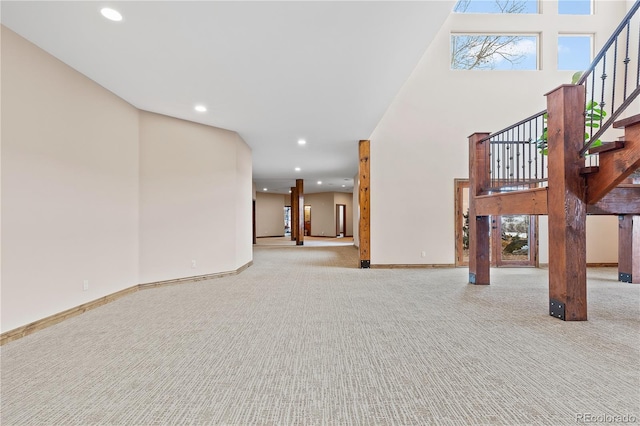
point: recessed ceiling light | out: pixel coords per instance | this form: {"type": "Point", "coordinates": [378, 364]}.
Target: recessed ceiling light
{"type": "Point", "coordinates": [289, 191]}
{"type": "Point", "coordinates": [297, 169]}
{"type": "Point", "coordinates": [111, 14]}
{"type": "Point", "coordinates": [264, 189]}
{"type": "Point", "coordinates": [200, 108]}
{"type": "Point", "coordinates": [301, 142]}
{"type": "Point", "coordinates": [319, 182]}
{"type": "Point", "coordinates": [344, 186]}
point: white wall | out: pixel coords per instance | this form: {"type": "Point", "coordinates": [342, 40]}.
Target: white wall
{"type": "Point", "coordinates": [243, 193]}
{"type": "Point", "coordinates": [270, 214]}
{"type": "Point", "coordinates": [188, 189]}
{"type": "Point", "coordinates": [602, 239]}
{"type": "Point", "coordinates": [323, 223]}
{"type": "Point", "coordinates": [69, 186]}
{"type": "Point", "coordinates": [94, 189]}
{"type": "Point", "coordinates": [420, 145]}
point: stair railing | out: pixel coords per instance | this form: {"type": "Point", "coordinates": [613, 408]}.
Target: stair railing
{"type": "Point", "coordinates": [517, 155]}
{"type": "Point", "coordinates": [612, 81]}
{"type": "Point", "coordinates": [516, 159]}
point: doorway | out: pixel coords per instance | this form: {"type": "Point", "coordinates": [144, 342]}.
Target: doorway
{"type": "Point", "coordinates": [514, 240]}
{"type": "Point", "coordinates": [287, 221]}
{"type": "Point", "coordinates": [307, 220]}
{"type": "Point", "coordinates": [461, 202]}
{"type": "Point", "coordinates": [341, 223]}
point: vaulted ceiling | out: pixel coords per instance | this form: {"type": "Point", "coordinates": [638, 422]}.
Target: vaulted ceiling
{"type": "Point", "coordinates": [275, 72]}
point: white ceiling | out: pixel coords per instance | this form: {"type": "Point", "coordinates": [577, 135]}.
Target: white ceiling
{"type": "Point", "coordinates": [274, 72]}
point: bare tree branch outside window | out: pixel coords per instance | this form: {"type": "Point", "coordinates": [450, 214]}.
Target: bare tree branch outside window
{"type": "Point", "coordinates": [485, 51]}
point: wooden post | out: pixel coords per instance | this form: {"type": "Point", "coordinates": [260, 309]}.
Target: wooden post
{"type": "Point", "coordinates": [294, 213]}
{"type": "Point", "coordinates": [478, 225]}
{"type": "Point", "coordinates": [364, 201]}
{"type": "Point", "coordinates": [629, 249]}
{"type": "Point", "coordinates": [566, 204]}
{"type": "Point", "coordinates": [300, 216]}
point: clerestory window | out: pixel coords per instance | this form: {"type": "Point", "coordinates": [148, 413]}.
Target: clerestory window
{"type": "Point", "coordinates": [496, 6]}
{"type": "Point", "coordinates": [494, 52]}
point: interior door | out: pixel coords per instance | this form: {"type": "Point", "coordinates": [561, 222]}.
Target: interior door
{"type": "Point", "coordinates": [341, 220]}
{"type": "Point", "coordinates": [462, 221]}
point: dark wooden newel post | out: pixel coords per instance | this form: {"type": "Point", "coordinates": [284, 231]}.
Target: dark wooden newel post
{"type": "Point", "coordinates": [566, 204]}
{"type": "Point", "coordinates": [478, 225]}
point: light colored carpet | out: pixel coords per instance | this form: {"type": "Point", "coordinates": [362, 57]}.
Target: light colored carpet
{"type": "Point", "coordinates": [303, 337]}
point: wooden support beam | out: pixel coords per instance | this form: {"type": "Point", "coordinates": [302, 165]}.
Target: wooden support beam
{"type": "Point", "coordinates": [530, 201]}
{"type": "Point", "coordinates": [294, 213]}
{"type": "Point", "coordinates": [300, 215]}
{"type": "Point", "coordinates": [479, 248]}
{"type": "Point", "coordinates": [623, 199]}
{"type": "Point", "coordinates": [364, 195]}
{"type": "Point", "coordinates": [567, 207]}
{"type": "Point", "coordinates": [629, 249]}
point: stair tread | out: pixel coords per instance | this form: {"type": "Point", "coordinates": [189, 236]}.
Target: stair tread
{"type": "Point", "coordinates": [589, 170]}
{"type": "Point", "coordinates": [627, 122]}
{"type": "Point", "coordinates": [607, 146]}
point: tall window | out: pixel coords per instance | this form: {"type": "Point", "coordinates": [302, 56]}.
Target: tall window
{"type": "Point", "coordinates": [496, 6]}
{"type": "Point", "coordinates": [494, 52]}
{"type": "Point", "coordinates": [574, 52]}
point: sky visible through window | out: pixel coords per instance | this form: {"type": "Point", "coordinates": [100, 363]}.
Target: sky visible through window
{"type": "Point", "coordinates": [478, 51]}
{"type": "Point", "coordinates": [574, 52]}
{"type": "Point", "coordinates": [565, 7]}
{"type": "Point", "coordinates": [493, 6]}
{"type": "Point", "coordinates": [574, 7]}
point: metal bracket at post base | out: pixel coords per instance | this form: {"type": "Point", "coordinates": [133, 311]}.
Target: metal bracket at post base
{"type": "Point", "coordinates": [365, 264]}
{"type": "Point", "coordinates": [556, 309]}
{"type": "Point", "coordinates": [625, 278]}
{"type": "Point", "coordinates": [473, 279]}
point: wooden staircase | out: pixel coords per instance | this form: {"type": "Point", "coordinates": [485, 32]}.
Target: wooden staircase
{"type": "Point", "coordinates": [543, 166]}
{"type": "Point", "coordinates": [611, 190]}
{"type": "Point", "coordinates": [572, 192]}
{"type": "Point", "coordinates": [617, 160]}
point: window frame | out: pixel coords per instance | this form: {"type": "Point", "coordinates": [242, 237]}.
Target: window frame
{"type": "Point", "coordinates": [535, 36]}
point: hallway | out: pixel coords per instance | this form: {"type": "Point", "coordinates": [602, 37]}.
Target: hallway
{"type": "Point", "coordinates": [304, 337]}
